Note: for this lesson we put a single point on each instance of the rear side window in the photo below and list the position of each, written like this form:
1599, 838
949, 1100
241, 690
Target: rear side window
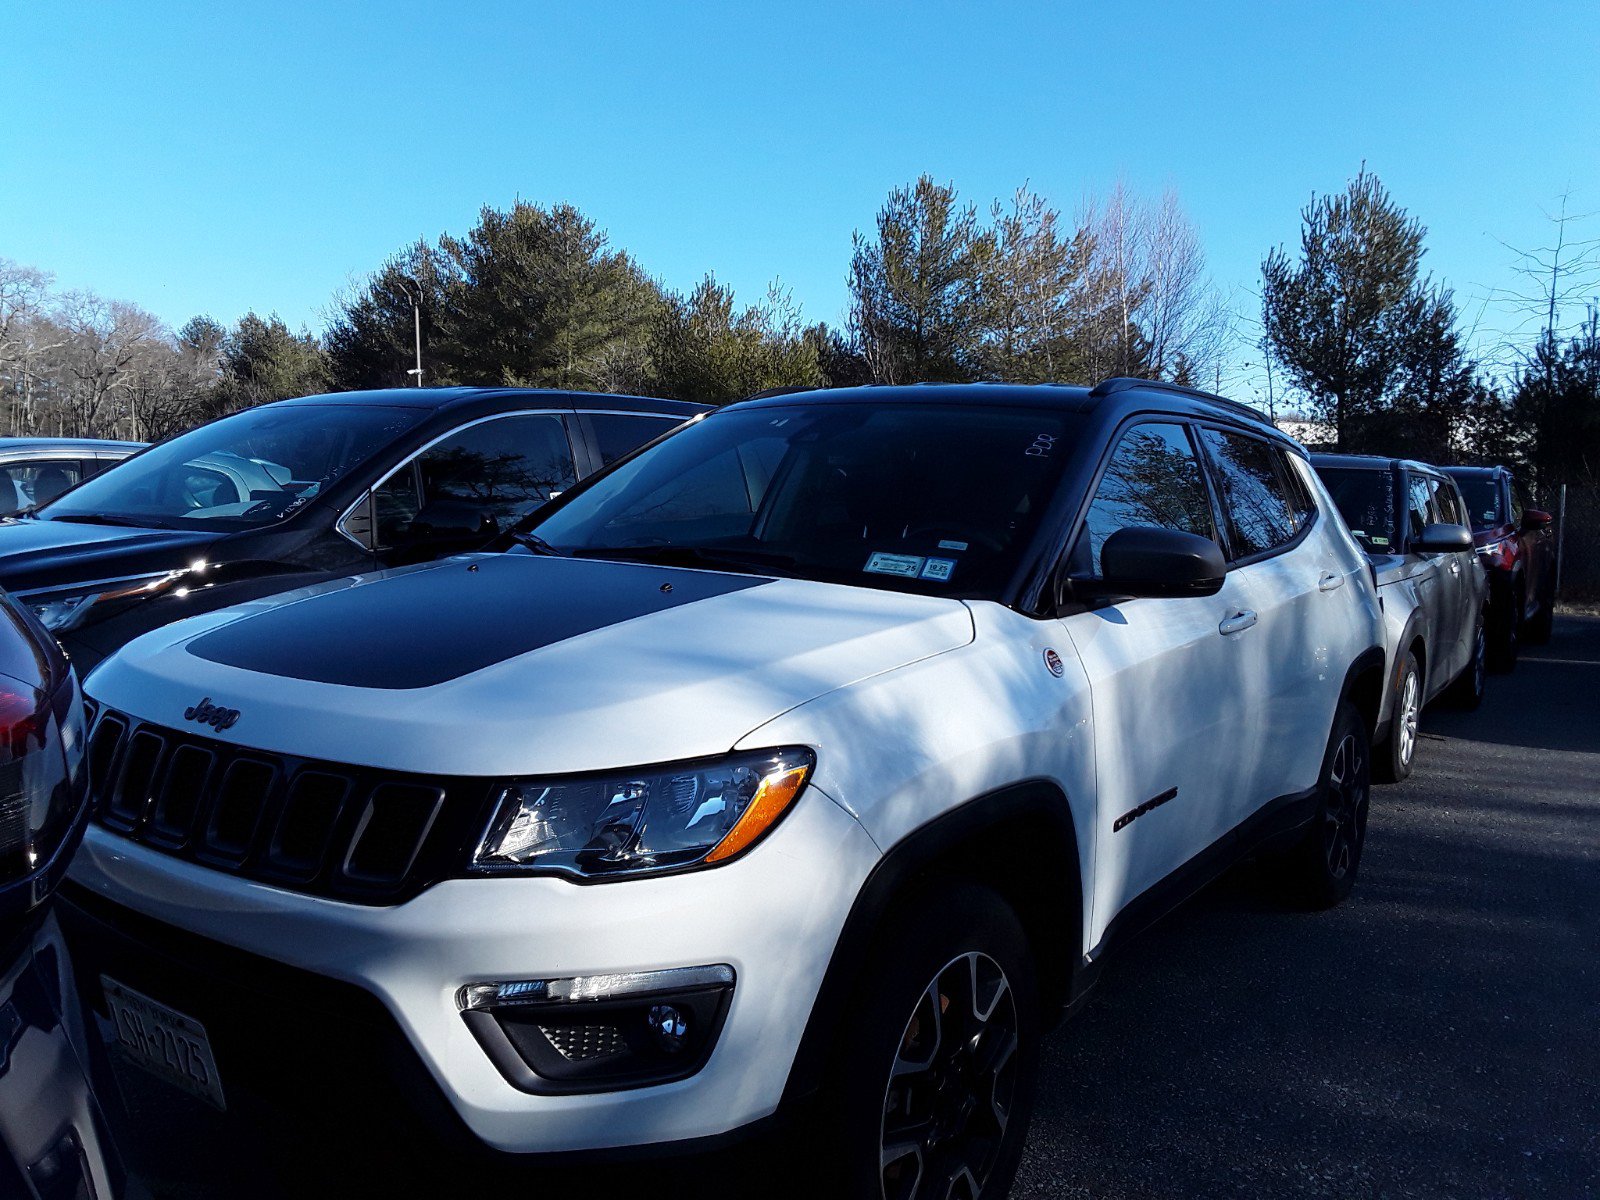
1254, 493
616, 434
1449, 504
1301, 502
1154, 478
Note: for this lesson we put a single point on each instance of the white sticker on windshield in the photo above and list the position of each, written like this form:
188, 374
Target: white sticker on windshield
907, 566
938, 568
952, 545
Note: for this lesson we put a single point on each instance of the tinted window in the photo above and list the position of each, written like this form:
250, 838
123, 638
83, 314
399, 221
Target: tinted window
1153, 478
1259, 514
925, 497
616, 435
1519, 501
1419, 506
508, 466
1483, 502
1301, 502
1365, 499
244, 471
26, 484
1449, 504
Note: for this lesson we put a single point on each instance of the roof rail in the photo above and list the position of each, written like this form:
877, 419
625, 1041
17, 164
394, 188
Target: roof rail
787, 390
1125, 383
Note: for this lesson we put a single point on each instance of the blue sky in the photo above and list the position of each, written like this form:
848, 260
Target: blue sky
222, 157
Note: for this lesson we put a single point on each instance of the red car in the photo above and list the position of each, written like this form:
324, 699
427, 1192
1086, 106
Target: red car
1518, 546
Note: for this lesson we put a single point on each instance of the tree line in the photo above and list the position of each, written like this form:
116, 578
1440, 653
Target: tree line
1354, 335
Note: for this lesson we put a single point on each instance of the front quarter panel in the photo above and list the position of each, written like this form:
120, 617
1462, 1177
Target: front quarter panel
903, 748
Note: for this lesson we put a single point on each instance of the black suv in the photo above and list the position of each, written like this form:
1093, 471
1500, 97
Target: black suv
304, 490
1517, 544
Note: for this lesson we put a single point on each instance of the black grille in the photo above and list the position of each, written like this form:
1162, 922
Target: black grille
329, 829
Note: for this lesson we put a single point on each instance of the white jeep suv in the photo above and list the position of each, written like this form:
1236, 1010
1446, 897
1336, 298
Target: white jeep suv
822, 749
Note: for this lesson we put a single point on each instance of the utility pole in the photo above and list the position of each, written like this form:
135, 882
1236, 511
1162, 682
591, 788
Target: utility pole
416, 323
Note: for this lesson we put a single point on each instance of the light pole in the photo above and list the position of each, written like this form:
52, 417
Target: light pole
416, 320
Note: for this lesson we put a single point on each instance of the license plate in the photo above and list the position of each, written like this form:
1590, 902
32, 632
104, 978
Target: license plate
164, 1042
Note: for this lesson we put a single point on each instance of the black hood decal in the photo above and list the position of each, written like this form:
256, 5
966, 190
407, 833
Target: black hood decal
424, 627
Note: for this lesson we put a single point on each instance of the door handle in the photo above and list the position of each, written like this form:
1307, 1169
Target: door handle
1455, 567
1238, 623
1330, 581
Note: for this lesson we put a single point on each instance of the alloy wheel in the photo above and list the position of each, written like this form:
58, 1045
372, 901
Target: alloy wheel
1410, 717
1345, 815
952, 1085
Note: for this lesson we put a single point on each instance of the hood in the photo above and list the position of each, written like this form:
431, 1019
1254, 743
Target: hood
38, 552
519, 664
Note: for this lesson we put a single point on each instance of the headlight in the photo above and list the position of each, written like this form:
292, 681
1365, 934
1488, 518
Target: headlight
618, 823
61, 610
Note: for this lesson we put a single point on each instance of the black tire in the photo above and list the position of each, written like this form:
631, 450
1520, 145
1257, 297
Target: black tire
1536, 632
1319, 870
1505, 635
1393, 761
959, 947
1466, 692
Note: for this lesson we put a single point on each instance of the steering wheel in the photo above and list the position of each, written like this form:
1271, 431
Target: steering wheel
973, 535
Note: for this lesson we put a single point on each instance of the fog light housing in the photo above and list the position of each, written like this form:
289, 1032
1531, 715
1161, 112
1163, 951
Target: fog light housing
600, 1032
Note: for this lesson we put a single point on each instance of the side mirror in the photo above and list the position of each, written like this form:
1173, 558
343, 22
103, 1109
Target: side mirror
1442, 538
1534, 519
451, 521
1143, 560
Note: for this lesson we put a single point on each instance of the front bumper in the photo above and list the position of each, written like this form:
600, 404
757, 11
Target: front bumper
373, 992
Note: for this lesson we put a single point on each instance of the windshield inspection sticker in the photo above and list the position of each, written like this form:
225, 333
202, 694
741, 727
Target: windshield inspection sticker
952, 545
907, 566
938, 568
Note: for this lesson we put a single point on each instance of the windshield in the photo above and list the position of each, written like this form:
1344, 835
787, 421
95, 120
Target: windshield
1483, 501
1366, 501
241, 472
919, 497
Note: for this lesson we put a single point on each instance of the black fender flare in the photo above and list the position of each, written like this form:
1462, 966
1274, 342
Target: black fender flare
979, 841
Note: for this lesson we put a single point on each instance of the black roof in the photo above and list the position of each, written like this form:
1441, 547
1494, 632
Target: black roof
441, 399
1373, 462
1061, 397
1477, 472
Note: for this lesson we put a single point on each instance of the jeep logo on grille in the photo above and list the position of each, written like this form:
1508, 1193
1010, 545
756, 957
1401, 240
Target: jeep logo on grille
210, 714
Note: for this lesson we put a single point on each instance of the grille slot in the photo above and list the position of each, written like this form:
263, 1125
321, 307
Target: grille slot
103, 747
188, 770
135, 790
391, 832
236, 813
327, 829
305, 828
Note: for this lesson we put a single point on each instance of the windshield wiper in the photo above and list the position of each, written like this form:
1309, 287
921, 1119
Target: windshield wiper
536, 543
756, 561
103, 519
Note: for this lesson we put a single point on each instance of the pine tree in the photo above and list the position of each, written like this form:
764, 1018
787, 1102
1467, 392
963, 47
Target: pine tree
916, 307
1350, 315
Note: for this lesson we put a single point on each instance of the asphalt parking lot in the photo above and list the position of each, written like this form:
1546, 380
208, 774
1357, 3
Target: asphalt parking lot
1438, 1036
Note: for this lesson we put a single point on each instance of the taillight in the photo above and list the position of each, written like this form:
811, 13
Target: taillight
37, 804
1497, 555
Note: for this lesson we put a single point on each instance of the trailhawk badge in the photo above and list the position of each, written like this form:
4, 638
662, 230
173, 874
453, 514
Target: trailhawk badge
210, 714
